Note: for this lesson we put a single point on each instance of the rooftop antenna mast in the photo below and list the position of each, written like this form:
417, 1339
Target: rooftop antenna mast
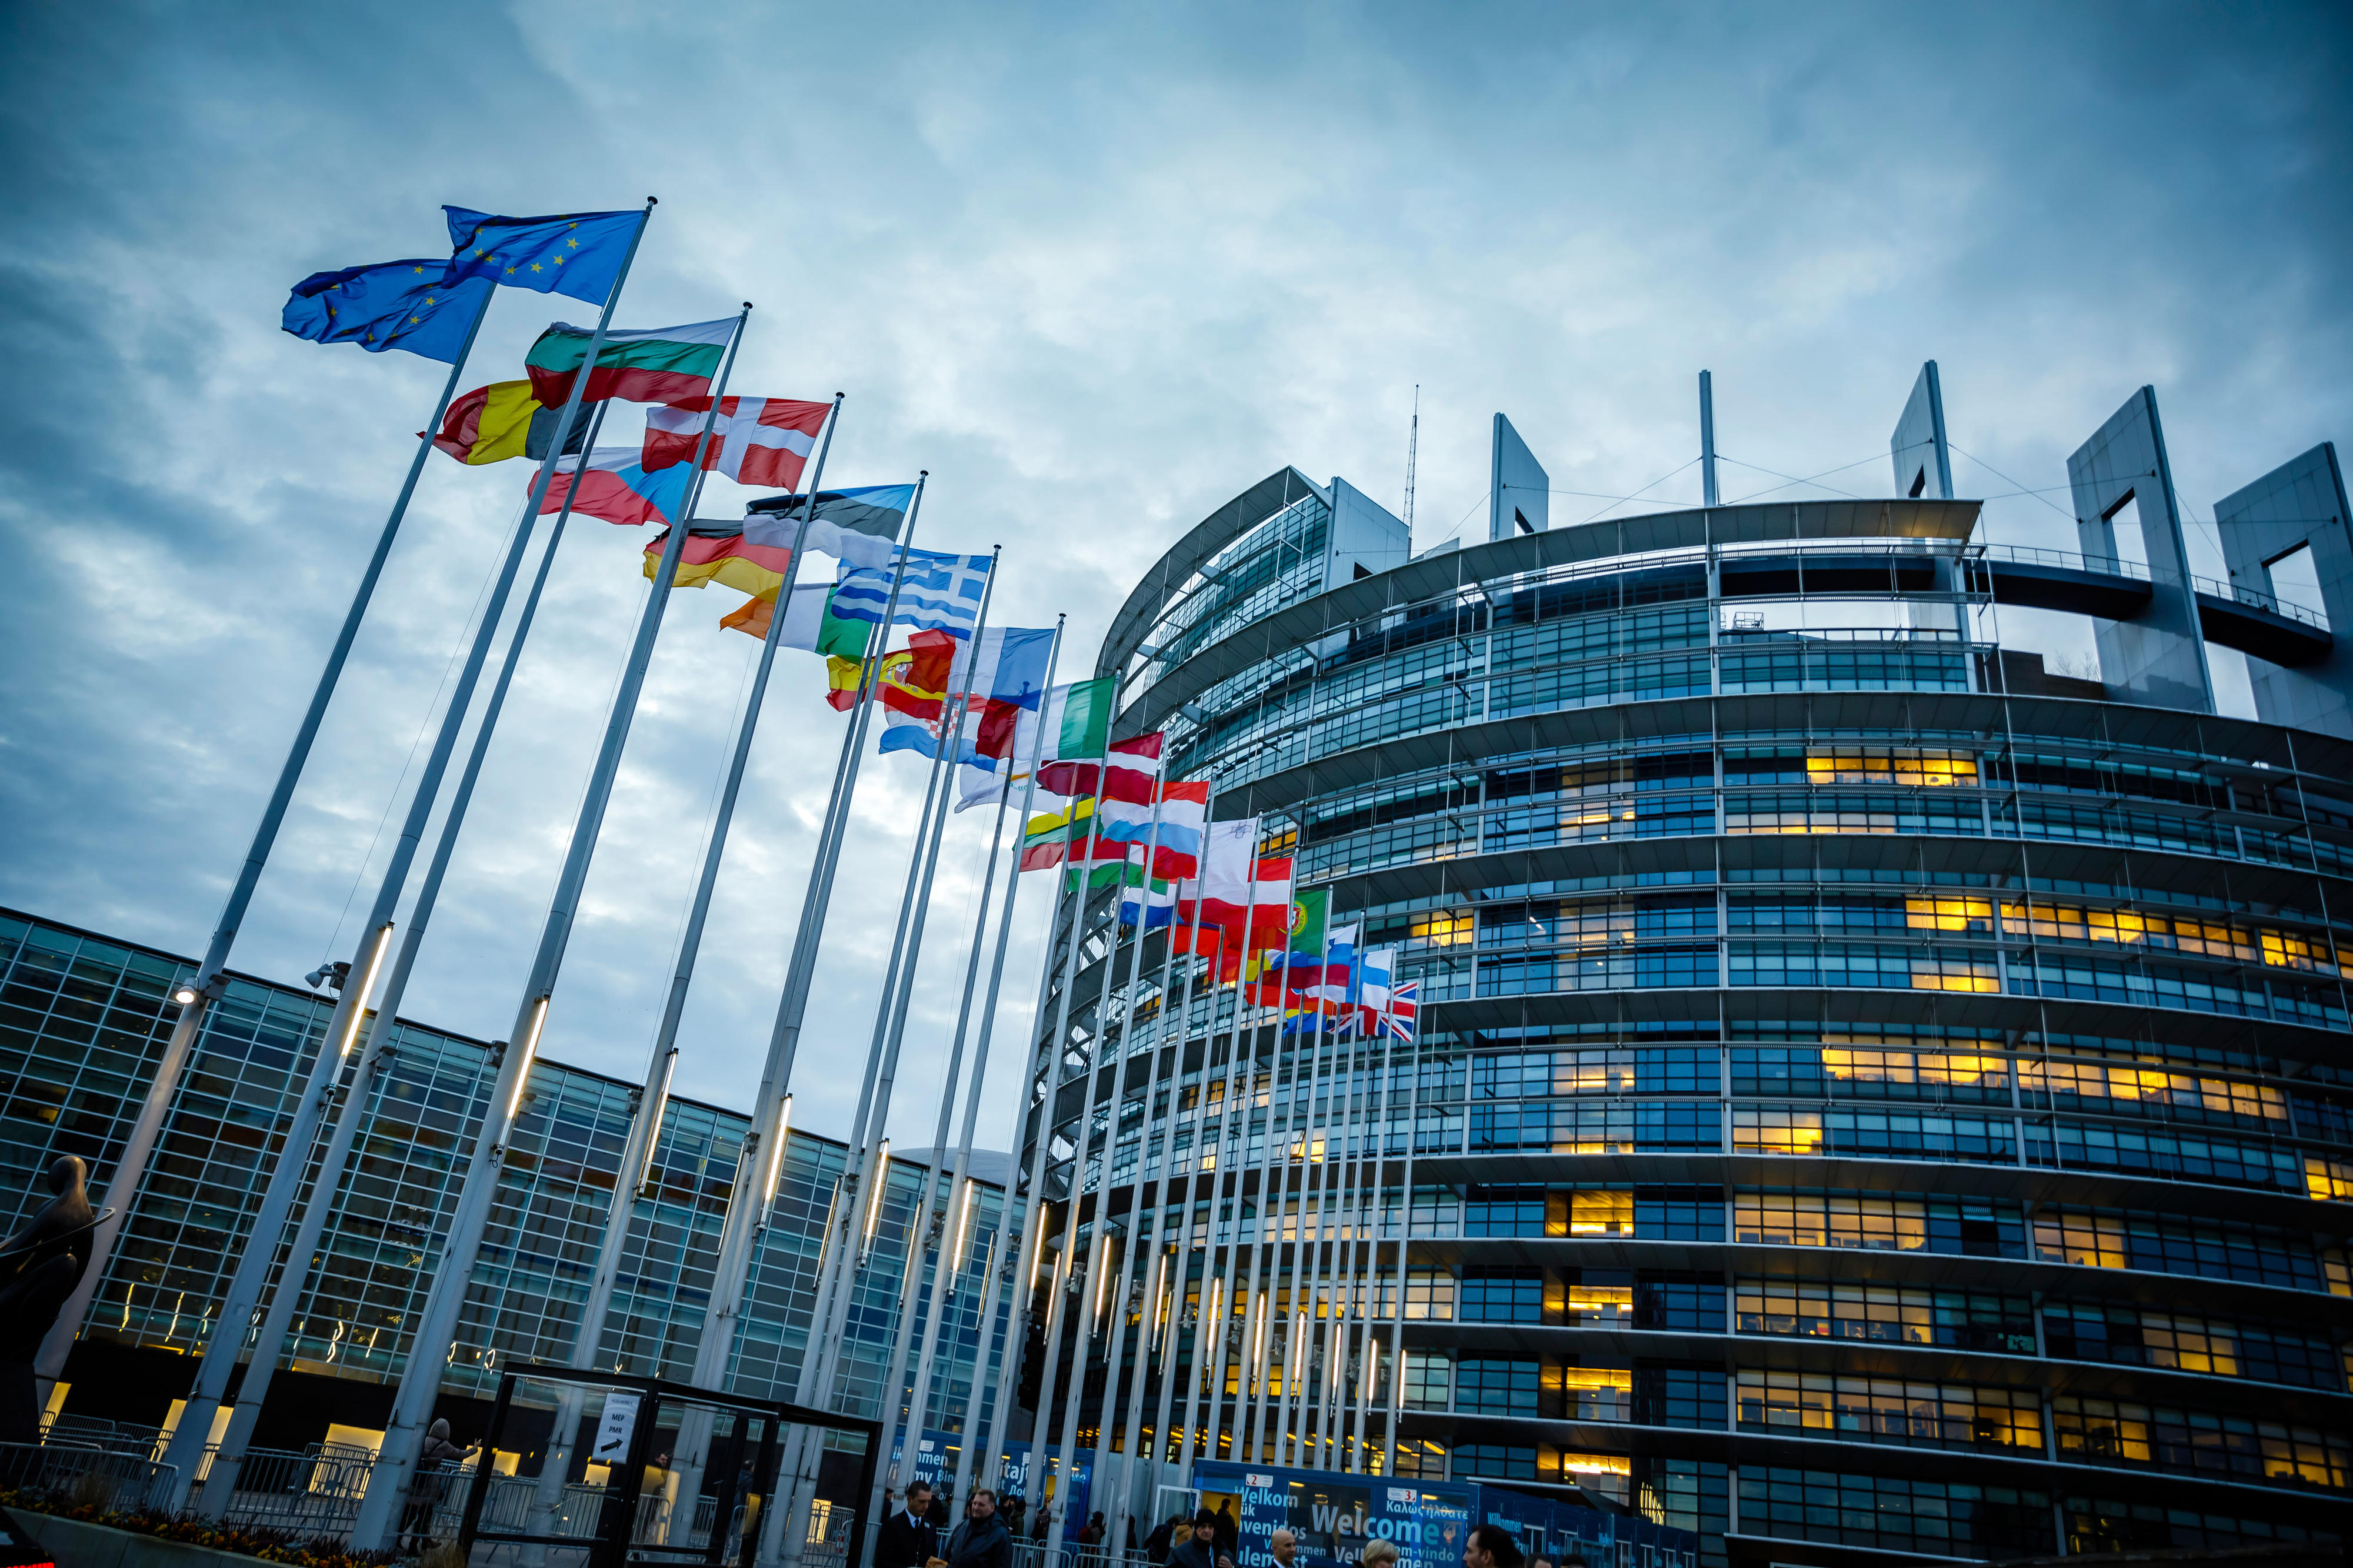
1412, 447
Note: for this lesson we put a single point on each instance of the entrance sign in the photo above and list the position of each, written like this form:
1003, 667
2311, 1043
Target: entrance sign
612, 1429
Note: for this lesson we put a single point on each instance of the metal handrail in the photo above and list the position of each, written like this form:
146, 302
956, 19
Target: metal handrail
2034, 556
2260, 601
114, 1479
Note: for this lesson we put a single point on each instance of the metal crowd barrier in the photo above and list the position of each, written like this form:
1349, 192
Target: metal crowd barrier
110, 1478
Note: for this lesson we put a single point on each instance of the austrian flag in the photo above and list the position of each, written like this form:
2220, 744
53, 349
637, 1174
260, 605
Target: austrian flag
756, 441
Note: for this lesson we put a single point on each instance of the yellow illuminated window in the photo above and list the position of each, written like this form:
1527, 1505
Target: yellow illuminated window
2329, 1179
1776, 1131
1601, 1214
1591, 1305
1445, 928
1872, 764
2094, 1241
2189, 1344
1812, 1219
1949, 914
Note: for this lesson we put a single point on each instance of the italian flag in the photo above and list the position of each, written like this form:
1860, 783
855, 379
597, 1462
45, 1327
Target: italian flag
1076, 719
667, 365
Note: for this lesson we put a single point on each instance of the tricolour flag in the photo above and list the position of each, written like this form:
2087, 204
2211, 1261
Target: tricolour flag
1322, 986
413, 305
579, 254
859, 526
1183, 815
1066, 838
715, 553
935, 592
809, 622
502, 420
612, 486
1129, 770
663, 365
759, 441
1076, 722
1147, 901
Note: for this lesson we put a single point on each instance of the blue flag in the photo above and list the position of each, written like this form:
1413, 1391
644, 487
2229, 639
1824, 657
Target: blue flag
578, 254
408, 305
937, 591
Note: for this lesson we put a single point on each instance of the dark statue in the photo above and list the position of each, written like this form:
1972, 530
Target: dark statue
39, 1267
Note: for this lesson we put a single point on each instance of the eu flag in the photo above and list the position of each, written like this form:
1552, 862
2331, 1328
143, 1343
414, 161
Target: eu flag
414, 305
577, 254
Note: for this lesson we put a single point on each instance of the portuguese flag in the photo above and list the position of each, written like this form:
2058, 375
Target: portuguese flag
667, 365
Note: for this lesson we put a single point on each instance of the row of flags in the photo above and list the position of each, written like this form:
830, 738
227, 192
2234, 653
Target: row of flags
1120, 823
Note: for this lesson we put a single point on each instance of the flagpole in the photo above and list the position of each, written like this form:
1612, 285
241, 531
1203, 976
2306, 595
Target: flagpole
1306, 1256
919, 1398
844, 1261
1261, 1358
645, 1125
349, 1025
1099, 1245
219, 1356
763, 1146
376, 1056
1405, 1229
1033, 1228
1213, 1296
1140, 1380
1346, 1277
1185, 1225
1022, 1290
420, 1379
195, 996
1133, 1256
1227, 1350
1202, 1305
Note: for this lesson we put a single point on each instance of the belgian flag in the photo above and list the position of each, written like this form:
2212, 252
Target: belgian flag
502, 420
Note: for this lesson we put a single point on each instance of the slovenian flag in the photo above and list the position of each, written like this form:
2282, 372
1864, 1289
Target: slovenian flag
612, 486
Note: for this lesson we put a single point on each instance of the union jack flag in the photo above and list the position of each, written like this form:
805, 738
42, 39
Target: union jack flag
1399, 1019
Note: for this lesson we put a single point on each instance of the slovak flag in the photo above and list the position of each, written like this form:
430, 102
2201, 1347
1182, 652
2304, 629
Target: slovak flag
756, 441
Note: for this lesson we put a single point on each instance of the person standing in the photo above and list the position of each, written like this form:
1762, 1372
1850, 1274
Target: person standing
981, 1540
1378, 1554
1285, 1546
1203, 1549
1490, 1546
908, 1538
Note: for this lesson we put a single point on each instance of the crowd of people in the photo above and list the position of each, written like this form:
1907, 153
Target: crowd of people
910, 1537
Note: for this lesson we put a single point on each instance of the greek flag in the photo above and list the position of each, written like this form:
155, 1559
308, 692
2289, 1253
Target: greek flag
936, 593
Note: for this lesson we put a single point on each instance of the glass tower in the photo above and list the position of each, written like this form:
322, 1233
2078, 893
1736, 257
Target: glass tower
1868, 1090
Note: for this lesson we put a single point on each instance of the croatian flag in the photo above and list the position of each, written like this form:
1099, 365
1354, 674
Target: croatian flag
756, 441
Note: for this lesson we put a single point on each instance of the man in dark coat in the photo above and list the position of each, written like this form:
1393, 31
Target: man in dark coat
981, 1540
1205, 1550
908, 1539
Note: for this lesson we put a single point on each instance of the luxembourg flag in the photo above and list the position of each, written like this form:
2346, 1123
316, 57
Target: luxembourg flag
615, 486
756, 441
1184, 816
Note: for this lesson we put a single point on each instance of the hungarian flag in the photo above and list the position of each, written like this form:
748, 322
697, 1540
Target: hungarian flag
717, 553
612, 486
666, 364
502, 420
760, 441
1129, 770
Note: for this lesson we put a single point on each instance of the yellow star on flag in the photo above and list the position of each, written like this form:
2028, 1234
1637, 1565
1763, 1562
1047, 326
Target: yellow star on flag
534, 267
420, 270
559, 261
574, 243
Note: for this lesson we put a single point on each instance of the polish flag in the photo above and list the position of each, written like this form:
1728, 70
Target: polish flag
756, 441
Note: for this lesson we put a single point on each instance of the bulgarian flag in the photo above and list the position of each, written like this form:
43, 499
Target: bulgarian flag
1065, 837
667, 365
612, 486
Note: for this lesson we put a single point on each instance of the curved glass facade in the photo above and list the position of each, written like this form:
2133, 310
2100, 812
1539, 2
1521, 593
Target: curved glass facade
1867, 1092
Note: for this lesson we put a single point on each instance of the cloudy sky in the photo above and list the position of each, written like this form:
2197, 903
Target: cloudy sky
1097, 268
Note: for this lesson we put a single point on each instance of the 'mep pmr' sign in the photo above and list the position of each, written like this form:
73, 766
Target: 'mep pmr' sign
1334, 1516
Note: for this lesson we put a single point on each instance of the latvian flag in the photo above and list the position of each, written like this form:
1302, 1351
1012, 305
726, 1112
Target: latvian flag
757, 441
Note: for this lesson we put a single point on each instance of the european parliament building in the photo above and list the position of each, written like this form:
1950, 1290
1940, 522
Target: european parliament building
1873, 1095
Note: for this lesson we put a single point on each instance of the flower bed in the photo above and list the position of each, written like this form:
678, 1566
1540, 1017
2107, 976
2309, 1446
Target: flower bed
268, 1545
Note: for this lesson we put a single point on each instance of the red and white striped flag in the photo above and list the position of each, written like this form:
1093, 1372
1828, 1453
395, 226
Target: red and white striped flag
757, 441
